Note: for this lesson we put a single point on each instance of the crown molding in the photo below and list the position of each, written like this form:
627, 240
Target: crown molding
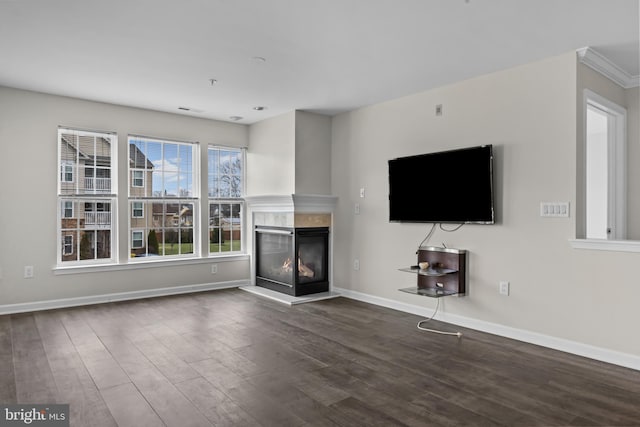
604, 66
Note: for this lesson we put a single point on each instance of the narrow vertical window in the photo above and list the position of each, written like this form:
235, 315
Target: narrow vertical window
225, 190
67, 245
137, 209
66, 172
86, 196
67, 209
137, 178
137, 239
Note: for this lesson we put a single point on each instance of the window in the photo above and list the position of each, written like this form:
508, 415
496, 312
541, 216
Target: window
163, 176
66, 172
67, 248
85, 225
67, 209
164, 206
137, 239
137, 210
605, 168
225, 188
137, 178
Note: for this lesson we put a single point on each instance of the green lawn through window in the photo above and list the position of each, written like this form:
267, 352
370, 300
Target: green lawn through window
176, 248
224, 247
187, 248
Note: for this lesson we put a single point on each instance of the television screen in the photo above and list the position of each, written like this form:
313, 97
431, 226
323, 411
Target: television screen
453, 186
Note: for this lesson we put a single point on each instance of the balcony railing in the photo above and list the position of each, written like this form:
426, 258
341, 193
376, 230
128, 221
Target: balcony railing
98, 185
97, 218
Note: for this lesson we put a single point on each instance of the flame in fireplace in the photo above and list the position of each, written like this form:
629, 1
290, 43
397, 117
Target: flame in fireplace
303, 269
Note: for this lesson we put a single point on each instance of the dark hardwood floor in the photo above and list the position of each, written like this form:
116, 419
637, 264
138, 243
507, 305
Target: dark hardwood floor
232, 358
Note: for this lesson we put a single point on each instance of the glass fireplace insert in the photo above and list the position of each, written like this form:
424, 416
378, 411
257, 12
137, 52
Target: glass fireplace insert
294, 261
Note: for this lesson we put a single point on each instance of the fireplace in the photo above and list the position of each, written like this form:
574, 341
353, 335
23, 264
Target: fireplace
294, 261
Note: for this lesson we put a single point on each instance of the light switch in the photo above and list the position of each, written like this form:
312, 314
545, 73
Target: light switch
554, 209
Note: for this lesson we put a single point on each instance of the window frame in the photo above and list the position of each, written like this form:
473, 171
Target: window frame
134, 179
63, 172
81, 237
134, 209
133, 239
226, 200
65, 245
148, 198
78, 196
65, 209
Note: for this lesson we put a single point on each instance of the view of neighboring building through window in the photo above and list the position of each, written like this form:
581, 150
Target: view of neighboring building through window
225, 188
163, 197
85, 196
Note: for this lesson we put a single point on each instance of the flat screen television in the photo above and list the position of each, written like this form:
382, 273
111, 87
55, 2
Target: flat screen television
454, 186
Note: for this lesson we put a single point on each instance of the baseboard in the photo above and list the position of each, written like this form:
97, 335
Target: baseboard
573, 347
120, 296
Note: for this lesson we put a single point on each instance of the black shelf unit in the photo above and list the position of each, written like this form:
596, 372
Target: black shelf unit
446, 274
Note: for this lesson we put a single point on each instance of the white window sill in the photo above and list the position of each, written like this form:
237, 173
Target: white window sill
606, 245
99, 268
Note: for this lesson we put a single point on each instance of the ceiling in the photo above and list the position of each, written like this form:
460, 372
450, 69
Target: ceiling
325, 56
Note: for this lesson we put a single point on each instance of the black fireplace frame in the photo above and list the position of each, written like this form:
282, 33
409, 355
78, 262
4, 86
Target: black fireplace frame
296, 288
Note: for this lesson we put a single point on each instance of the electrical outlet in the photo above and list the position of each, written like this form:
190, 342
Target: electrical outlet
356, 264
214, 268
504, 288
362, 192
28, 271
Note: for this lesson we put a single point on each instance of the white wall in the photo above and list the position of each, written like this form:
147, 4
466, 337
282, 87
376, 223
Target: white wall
290, 153
633, 160
28, 149
271, 156
313, 153
529, 114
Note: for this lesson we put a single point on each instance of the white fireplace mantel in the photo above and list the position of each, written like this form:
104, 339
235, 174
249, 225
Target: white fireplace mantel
292, 210
296, 203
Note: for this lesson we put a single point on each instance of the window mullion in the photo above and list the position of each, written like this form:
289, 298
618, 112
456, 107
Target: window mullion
76, 167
